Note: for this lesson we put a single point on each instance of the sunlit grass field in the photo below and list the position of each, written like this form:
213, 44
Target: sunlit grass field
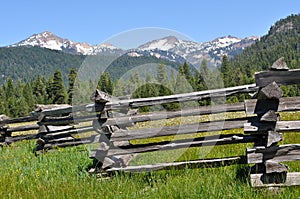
63, 173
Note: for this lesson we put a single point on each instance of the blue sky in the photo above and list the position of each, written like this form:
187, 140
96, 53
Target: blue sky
95, 21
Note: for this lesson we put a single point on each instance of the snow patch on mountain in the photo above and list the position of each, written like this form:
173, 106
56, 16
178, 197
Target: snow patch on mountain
166, 44
51, 41
170, 48
195, 52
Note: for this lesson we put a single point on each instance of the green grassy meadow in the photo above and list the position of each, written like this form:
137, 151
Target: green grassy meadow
63, 173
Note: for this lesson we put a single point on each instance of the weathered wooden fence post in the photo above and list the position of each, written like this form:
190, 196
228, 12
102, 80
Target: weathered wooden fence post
3, 130
267, 170
44, 129
103, 161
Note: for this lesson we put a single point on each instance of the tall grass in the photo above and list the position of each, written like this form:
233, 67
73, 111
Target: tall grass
63, 173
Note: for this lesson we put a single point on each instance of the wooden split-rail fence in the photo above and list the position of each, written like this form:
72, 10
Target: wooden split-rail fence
106, 122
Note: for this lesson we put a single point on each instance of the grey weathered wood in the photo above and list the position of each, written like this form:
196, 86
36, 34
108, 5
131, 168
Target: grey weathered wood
207, 141
178, 130
122, 160
76, 142
101, 154
42, 107
64, 133
68, 120
273, 138
271, 91
201, 110
110, 129
4, 118
275, 167
66, 144
279, 65
55, 111
280, 77
269, 116
18, 138
264, 180
285, 104
100, 97
283, 153
281, 126
180, 165
134, 103
18, 120
23, 128
3, 131
53, 129
96, 107
62, 140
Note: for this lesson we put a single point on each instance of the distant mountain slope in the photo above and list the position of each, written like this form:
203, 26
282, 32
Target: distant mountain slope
194, 52
25, 63
282, 40
51, 41
191, 51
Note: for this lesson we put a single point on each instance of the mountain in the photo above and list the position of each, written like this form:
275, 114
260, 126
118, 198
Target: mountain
51, 41
169, 47
194, 52
26, 63
282, 40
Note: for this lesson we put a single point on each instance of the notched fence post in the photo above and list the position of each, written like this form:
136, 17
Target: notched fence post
267, 155
102, 159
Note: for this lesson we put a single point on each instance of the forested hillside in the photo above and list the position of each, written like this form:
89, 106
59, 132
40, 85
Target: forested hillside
26, 63
282, 40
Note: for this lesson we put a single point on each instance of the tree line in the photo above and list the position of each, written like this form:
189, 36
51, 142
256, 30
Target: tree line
18, 98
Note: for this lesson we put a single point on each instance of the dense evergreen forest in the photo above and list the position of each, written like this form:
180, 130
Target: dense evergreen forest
282, 40
18, 99
26, 63
23, 87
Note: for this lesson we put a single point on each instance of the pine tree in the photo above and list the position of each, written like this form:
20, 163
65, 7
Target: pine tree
27, 94
186, 71
203, 76
105, 83
71, 77
161, 76
39, 90
182, 85
58, 90
134, 82
10, 88
49, 91
226, 72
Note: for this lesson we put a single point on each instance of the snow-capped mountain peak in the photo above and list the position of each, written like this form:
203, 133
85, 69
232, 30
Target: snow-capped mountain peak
168, 47
45, 39
194, 52
51, 41
222, 42
165, 44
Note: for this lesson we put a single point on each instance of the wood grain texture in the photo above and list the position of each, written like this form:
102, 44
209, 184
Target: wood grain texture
179, 130
180, 165
178, 144
281, 126
280, 77
265, 180
283, 153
